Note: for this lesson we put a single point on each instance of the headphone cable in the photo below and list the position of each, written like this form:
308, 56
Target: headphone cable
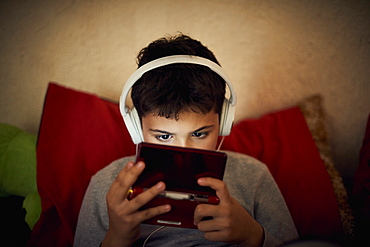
156, 230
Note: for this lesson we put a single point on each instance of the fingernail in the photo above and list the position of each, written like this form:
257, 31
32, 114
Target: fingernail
160, 185
167, 207
130, 164
140, 164
200, 180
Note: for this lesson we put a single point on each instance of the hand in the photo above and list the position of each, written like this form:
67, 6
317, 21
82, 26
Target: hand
124, 217
231, 222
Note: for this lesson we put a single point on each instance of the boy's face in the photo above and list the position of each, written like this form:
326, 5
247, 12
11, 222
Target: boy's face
193, 130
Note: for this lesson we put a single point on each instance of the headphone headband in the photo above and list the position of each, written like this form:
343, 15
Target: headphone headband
125, 110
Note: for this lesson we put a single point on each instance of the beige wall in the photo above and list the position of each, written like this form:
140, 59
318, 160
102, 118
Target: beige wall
276, 52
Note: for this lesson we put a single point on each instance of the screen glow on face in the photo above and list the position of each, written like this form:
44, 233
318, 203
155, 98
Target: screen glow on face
193, 130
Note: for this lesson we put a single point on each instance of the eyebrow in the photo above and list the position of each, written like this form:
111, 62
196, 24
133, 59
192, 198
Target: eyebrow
161, 131
168, 133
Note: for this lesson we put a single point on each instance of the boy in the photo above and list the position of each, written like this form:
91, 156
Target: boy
182, 105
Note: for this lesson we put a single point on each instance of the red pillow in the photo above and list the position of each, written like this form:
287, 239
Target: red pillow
81, 133
361, 186
284, 143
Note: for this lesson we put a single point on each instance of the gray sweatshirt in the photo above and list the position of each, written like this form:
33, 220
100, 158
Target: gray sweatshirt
248, 181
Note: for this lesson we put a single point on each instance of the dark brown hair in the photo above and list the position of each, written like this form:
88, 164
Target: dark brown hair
169, 90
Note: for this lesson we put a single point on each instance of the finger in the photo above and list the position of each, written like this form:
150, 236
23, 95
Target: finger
129, 177
204, 210
208, 225
129, 165
124, 180
218, 185
151, 212
146, 196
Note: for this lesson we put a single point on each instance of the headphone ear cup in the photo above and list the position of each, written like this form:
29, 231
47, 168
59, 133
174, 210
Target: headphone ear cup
133, 124
136, 120
227, 118
223, 116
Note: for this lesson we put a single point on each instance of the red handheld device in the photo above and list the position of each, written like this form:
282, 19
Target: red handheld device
179, 168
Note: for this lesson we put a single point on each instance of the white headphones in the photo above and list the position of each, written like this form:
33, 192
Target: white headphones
131, 117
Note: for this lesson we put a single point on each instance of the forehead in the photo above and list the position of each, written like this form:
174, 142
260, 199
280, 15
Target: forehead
186, 121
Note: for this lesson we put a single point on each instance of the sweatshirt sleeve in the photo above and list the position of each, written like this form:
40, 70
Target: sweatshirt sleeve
271, 211
269, 240
93, 221
90, 231
250, 182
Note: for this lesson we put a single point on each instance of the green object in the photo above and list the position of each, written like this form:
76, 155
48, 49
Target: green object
18, 169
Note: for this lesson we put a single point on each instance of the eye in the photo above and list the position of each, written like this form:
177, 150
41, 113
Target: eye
200, 135
163, 137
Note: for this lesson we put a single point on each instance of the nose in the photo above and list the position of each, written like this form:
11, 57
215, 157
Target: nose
184, 143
